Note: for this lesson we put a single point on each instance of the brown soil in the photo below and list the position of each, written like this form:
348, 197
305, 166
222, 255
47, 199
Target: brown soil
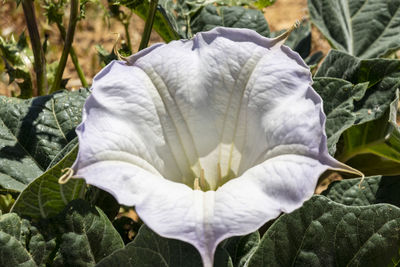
98, 29
284, 13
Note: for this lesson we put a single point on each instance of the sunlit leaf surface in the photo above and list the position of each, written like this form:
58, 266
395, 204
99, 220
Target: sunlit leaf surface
363, 28
364, 192
33, 132
325, 233
45, 197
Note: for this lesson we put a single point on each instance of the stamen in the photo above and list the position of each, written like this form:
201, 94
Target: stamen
196, 185
219, 173
68, 173
202, 179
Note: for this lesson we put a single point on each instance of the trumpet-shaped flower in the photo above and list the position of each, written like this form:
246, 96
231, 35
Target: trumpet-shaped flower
208, 138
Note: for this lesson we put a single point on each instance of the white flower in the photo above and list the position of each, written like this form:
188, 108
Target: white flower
208, 138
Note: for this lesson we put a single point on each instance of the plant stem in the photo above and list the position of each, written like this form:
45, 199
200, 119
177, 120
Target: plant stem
74, 58
73, 18
127, 36
38, 54
149, 24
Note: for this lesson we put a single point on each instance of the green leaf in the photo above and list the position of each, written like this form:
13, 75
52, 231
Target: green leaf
367, 191
313, 60
18, 60
104, 200
178, 14
141, 8
45, 197
6, 202
366, 29
16, 52
65, 151
383, 76
22, 78
51, 70
162, 25
105, 56
150, 249
325, 233
87, 236
186, 18
229, 16
79, 236
300, 39
374, 147
241, 248
21, 244
366, 119
33, 132
339, 97
54, 10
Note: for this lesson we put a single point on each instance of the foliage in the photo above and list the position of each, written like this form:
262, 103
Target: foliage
18, 60
366, 29
45, 197
354, 223
325, 233
81, 235
33, 132
361, 105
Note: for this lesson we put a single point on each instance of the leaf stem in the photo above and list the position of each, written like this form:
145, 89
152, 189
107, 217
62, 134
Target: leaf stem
127, 36
149, 24
38, 53
73, 18
74, 57
125, 20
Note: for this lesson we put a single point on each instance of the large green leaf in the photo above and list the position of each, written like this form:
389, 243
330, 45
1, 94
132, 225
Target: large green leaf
21, 244
325, 233
229, 16
374, 147
362, 110
241, 248
87, 236
182, 19
363, 28
383, 76
150, 249
339, 106
371, 190
187, 17
33, 132
45, 197
64, 152
79, 236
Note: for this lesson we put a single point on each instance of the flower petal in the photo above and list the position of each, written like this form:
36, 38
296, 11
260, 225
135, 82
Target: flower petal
228, 102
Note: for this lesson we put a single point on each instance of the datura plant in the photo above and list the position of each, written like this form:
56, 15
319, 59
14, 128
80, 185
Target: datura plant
208, 138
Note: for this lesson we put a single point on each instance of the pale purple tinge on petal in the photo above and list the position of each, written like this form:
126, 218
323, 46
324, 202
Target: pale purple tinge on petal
227, 106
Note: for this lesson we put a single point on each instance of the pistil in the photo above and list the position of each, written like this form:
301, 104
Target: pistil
200, 183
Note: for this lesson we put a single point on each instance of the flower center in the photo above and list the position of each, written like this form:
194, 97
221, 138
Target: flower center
200, 183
